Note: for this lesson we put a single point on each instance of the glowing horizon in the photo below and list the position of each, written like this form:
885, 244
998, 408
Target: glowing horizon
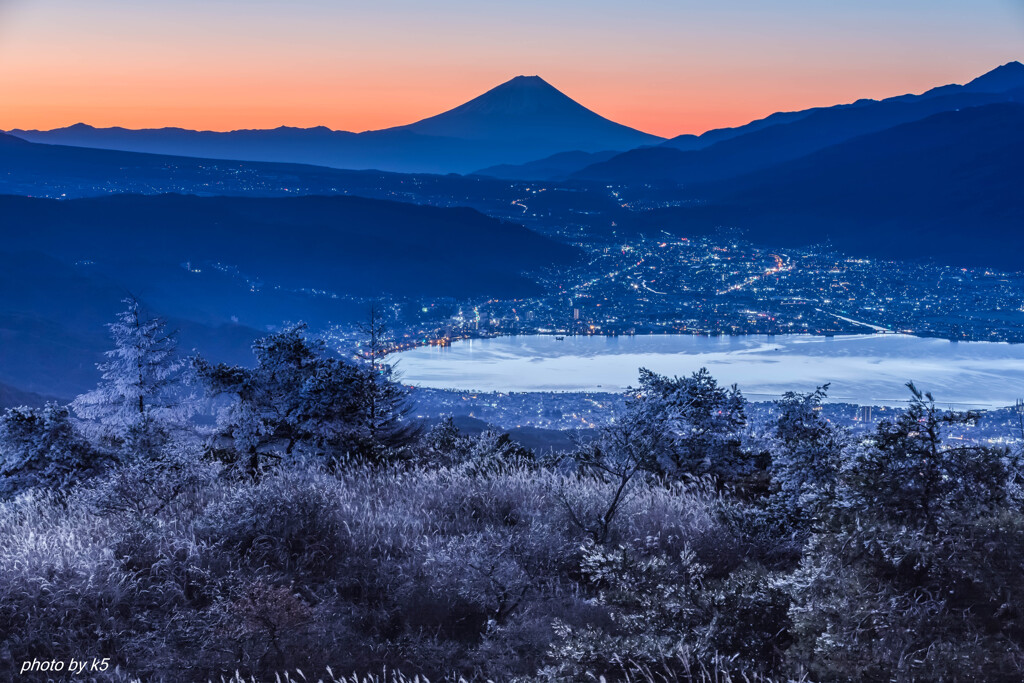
667, 68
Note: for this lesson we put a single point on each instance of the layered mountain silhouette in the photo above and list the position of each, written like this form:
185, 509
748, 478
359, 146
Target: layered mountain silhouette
36, 169
527, 129
523, 119
343, 245
729, 153
969, 122
554, 167
947, 187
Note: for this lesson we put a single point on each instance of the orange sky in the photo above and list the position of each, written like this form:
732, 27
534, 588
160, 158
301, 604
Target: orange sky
667, 67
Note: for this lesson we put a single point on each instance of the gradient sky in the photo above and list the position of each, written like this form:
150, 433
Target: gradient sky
665, 66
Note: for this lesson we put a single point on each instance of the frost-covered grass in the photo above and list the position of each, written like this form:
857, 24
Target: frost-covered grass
189, 574
703, 676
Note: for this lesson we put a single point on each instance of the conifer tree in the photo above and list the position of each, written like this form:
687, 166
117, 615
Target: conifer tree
139, 399
806, 459
385, 402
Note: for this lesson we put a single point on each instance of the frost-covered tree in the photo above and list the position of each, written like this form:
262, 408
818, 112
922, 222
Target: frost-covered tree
487, 453
40, 447
299, 400
912, 473
374, 332
916, 575
385, 402
807, 455
140, 398
623, 453
269, 414
707, 422
384, 409
445, 441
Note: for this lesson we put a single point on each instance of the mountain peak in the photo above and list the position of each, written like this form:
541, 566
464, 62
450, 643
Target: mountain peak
529, 109
1000, 79
522, 95
526, 81
1010, 67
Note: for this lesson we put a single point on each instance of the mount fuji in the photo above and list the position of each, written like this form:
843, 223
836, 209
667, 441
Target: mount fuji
520, 120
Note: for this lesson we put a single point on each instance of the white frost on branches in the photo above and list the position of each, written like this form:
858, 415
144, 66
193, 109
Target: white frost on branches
140, 396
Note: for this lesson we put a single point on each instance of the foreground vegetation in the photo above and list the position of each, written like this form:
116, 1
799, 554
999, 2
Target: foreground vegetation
312, 525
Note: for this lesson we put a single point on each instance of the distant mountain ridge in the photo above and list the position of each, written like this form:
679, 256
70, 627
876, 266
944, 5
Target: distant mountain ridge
38, 169
554, 167
1003, 78
522, 119
947, 187
787, 136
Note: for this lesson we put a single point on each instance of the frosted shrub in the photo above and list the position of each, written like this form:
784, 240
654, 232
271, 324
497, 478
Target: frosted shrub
299, 400
41, 447
706, 423
290, 522
916, 574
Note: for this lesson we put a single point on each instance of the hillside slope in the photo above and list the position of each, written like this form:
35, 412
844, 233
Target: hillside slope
947, 187
345, 245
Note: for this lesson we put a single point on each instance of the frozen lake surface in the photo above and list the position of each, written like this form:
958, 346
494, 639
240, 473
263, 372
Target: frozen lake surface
864, 369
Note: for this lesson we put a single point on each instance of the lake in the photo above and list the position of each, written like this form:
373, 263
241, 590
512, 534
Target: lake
869, 369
